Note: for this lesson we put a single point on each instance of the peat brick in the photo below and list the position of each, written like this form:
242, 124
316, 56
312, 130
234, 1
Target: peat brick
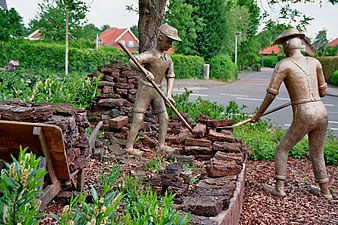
118, 122
220, 168
227, 147
204, 205
195, 150
203, 142
216, 136
237, 157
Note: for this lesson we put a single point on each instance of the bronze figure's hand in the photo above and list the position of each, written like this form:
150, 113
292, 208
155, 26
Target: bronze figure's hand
254, 118
149, 75
171, 99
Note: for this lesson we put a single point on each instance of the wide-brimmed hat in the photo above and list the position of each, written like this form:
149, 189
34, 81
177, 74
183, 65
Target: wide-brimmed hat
170, 32
287, 34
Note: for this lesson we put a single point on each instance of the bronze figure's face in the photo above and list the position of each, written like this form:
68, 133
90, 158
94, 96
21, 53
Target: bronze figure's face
165, 43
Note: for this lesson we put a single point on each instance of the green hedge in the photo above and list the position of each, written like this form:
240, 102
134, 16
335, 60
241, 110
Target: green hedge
270, 61
188, 66
330, 64
334, 78
51, 56
222, 68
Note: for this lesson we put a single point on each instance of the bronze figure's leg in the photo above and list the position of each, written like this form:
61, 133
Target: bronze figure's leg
290, 139
137, 120
316, 142
160, 110
143, 98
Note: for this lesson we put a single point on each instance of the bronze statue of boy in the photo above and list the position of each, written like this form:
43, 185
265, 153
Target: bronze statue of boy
158, 64
305, 83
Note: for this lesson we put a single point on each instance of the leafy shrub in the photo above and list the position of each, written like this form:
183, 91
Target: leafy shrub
222, 68
198, 107
329, 64
334, 78
331, 150
149, 210
48, 87
19, 185
188, 66
51, 56
270, 61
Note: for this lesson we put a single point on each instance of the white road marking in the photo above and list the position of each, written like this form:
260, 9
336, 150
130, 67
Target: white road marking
286, 99
251, 99
329, 105
333, 128
200, 95
287, 125
234, 95
333, 122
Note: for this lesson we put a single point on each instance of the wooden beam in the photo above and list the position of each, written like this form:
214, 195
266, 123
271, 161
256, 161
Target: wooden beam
37, 131
49, 193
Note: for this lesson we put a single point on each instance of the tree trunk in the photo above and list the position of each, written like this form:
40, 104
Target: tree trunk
150, 19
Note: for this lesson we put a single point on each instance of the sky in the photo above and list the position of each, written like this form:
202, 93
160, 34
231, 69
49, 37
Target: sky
114, 13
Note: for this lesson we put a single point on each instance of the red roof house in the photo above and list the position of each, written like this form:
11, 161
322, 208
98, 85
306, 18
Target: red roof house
36, 35
112, 36
274, 49
333, 43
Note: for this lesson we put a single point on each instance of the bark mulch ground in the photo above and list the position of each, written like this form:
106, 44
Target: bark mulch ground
298, 207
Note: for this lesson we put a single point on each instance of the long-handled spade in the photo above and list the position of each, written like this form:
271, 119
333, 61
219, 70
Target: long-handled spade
219, 129
167, 101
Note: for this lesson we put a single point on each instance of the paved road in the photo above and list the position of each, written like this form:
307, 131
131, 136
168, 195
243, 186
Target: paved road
249, 90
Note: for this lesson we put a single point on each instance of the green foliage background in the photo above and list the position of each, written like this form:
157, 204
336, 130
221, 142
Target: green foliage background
222, 68
188, 66
330, 64
51, 56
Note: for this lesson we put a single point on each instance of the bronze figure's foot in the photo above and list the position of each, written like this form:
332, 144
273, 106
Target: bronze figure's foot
316, 190
272, 190
166, 149
134, 152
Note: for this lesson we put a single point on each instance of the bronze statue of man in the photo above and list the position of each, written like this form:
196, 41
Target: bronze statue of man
305, 83
158, 64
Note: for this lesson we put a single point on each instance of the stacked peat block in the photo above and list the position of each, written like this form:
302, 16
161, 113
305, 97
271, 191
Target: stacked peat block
73, 123
118, 86
222, 156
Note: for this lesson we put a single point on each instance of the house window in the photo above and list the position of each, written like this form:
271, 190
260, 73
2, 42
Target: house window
123, 42
130, 44
303, 48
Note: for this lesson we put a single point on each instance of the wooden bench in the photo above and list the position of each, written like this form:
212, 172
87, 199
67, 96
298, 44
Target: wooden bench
45, 141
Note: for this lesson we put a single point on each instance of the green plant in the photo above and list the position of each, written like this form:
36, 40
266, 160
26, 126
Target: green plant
20, 186
222, 68
187, 66
149, 210
100, 210
331, 150
198, 107
155, 164
270, 61
334, 78
329, 64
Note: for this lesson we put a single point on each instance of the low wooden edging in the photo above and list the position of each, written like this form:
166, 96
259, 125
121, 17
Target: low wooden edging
232, 215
